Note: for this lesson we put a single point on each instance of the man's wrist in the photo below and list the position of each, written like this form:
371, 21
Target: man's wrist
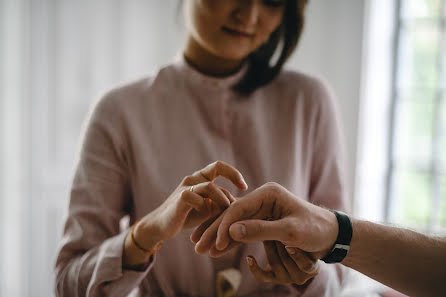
344, 236
332, 233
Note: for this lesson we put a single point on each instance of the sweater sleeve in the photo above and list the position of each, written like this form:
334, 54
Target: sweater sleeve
89, 262
327, 182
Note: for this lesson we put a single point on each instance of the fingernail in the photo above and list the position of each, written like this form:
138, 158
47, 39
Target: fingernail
240, 231
221, 246
250, 261
243, 183
290, 250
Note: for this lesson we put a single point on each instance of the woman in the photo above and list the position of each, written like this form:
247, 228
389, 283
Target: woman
220, 101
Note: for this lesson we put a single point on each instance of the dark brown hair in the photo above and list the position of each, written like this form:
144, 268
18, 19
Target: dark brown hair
260, 72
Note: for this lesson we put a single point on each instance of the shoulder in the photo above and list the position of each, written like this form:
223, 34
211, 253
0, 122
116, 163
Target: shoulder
304, 90
300, 83
134, 95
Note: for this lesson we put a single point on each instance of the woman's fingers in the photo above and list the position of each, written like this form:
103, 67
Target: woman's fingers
303, 260
228, 194
300, 270
265, 276
275, 262
281, 268
192, 199
220, 168
213, 192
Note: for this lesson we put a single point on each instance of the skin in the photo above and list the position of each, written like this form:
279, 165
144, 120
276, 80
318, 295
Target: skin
283, 268
222, 33
407, 261
185, 208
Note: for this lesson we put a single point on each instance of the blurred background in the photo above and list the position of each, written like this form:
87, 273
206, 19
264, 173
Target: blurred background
385, 60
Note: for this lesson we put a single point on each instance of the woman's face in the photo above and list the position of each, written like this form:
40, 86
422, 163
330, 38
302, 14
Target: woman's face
232, 29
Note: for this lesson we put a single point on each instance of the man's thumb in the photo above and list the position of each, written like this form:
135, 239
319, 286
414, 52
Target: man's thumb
255, 230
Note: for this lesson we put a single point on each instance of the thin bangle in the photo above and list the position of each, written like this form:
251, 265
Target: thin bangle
150, 252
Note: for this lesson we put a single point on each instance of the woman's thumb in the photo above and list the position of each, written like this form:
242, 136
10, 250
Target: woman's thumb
256, 230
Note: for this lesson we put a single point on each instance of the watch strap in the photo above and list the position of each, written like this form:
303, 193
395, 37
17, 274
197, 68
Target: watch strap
342, 244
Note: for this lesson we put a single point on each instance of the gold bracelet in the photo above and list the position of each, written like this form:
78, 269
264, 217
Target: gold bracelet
150, 252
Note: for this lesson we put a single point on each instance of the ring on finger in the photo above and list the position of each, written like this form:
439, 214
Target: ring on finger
191, 189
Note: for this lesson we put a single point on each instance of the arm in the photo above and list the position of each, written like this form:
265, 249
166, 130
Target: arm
90, 262
407, 261
95, 258
402, 259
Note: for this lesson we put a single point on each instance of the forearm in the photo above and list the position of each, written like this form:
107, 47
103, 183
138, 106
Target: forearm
407, 261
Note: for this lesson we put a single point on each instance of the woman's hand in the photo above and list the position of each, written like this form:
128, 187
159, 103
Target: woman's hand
269, 213
284, 268
194, 201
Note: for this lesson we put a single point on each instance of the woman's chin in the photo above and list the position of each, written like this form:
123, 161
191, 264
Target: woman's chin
233, 56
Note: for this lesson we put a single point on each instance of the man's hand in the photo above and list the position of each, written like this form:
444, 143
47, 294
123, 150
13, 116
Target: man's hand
269, 213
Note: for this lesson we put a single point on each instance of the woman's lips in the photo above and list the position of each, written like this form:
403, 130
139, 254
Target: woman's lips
237, 33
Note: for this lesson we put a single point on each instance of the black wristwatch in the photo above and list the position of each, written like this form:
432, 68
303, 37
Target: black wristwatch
342, 244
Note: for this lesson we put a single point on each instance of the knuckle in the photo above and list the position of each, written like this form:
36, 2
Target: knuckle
187, 180
209, 186
183, 195
270, 185
218, 164
273, 188
290, 233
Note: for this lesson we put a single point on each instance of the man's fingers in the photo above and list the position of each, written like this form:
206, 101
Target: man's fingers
259, 273
214, 253
257, 230
198, 232
220, 168
251, 206
303, 260
208, 237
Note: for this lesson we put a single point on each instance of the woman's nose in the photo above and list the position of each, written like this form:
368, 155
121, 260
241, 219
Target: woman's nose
248, 12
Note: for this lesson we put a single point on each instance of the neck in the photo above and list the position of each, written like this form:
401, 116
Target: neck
207, 63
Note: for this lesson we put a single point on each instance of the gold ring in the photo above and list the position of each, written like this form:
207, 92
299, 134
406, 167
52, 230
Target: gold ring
192, 188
